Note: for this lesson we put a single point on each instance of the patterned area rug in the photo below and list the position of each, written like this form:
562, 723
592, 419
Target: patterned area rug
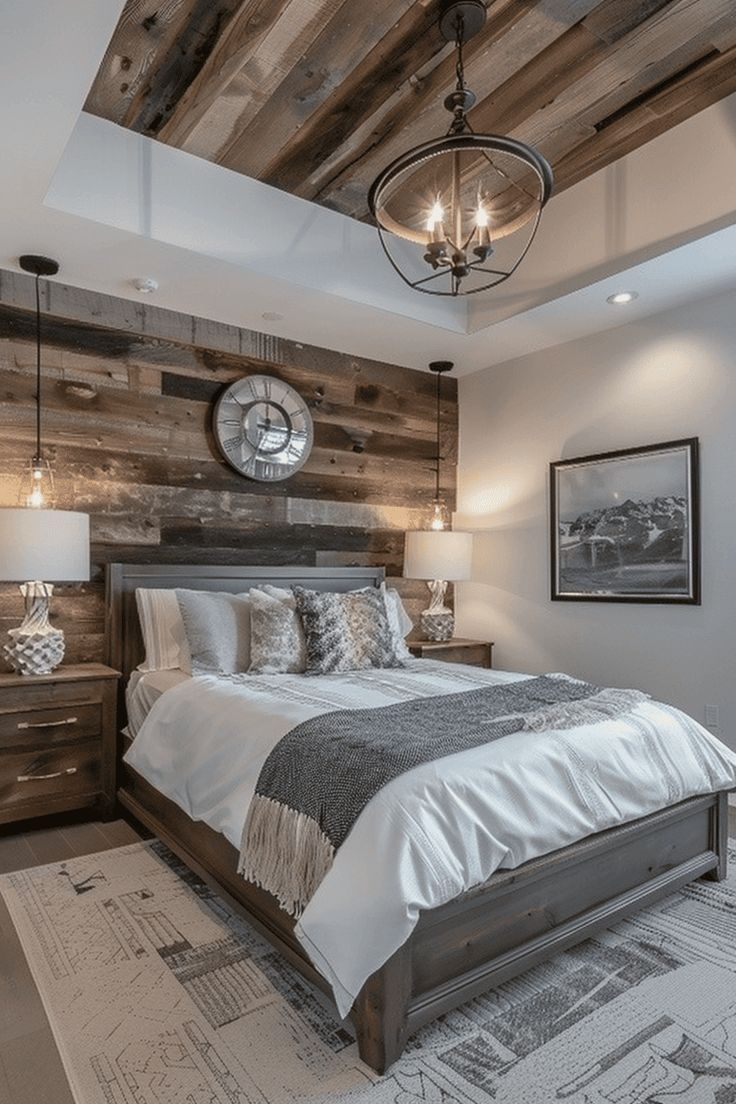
158, 994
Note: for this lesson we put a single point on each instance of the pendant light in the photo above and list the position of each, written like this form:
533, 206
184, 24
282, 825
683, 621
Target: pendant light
440, 517
37, 490
471, 203
437, 553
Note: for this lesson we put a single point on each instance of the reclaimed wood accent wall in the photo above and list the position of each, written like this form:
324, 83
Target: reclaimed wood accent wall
127, 396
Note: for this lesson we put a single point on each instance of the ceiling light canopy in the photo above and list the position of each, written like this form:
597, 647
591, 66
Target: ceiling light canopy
470, 202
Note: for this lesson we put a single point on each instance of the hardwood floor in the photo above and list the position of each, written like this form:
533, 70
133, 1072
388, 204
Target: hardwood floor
30, 1068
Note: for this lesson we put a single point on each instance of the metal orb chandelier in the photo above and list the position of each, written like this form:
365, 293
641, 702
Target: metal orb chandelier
472, 202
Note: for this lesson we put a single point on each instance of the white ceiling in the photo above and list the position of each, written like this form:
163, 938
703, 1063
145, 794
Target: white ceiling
111, 206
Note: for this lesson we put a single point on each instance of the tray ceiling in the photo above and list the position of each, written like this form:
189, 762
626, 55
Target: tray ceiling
316, 96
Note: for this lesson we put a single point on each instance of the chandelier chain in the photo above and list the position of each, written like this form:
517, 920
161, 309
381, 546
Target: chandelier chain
38, 369
459, 40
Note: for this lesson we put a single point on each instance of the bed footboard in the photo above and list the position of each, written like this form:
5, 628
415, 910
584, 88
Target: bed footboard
521, 917
486, 936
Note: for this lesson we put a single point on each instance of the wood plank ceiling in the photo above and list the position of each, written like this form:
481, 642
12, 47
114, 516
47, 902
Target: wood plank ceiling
316, 96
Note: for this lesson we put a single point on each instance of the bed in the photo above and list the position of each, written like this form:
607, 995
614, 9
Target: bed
480, 938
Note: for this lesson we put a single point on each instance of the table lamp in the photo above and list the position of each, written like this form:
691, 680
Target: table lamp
48, 545
438, 556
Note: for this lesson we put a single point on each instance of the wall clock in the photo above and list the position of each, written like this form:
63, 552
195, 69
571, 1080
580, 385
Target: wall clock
263, 428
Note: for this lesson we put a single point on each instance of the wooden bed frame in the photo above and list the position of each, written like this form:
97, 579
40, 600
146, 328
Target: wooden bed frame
477, 941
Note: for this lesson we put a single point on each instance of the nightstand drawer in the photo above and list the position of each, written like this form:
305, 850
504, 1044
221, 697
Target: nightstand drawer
475, 653
63, 772
58, 742
477, 656
43, 727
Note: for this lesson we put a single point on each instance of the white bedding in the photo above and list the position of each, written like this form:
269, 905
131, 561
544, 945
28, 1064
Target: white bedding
437, 830
143, 691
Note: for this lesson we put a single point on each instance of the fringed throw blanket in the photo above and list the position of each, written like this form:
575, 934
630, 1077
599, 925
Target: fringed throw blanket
322, 774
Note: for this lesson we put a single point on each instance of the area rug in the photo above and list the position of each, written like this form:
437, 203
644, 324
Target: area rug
158, 993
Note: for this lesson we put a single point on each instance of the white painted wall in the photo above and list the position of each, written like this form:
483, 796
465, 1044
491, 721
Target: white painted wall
668, 376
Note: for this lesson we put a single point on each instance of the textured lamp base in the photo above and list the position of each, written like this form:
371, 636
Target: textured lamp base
35, 648
34, 653
437, 626
437, 620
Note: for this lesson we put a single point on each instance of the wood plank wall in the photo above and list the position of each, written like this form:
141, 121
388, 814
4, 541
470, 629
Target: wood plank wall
128, 390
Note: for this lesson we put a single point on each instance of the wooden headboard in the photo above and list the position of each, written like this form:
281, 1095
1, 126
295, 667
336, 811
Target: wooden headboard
124, 643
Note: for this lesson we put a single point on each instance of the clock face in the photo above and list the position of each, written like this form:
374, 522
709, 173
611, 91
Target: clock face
264, 428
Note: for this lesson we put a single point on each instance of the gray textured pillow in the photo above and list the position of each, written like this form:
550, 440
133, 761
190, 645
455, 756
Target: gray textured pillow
346, 632
218, 630
276, 633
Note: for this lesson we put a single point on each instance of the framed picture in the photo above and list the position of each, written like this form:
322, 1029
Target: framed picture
625, 526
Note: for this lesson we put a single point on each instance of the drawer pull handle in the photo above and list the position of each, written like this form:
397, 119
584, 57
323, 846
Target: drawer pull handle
43, 777
47, 724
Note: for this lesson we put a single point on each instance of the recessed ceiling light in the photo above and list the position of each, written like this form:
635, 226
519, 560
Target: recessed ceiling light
145, 284
620, 297
272, 316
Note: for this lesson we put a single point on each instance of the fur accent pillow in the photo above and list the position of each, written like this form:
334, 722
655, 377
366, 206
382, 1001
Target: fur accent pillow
276, 635
346, 632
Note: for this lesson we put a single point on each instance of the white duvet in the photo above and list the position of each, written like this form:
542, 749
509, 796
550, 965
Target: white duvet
437, 830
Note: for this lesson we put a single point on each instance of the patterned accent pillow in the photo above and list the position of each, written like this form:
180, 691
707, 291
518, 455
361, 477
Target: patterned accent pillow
346, 632
276, 635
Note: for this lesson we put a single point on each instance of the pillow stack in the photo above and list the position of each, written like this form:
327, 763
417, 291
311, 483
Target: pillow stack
270, 630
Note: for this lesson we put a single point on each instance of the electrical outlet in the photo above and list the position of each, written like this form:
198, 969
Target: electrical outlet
712, 716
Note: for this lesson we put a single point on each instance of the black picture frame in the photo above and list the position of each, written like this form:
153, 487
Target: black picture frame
642, 549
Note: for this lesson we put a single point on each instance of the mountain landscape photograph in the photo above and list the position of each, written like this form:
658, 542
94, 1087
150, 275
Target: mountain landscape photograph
623, 525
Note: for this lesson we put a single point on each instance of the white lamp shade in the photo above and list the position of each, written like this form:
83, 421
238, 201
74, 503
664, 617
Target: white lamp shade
438, 554
49, 545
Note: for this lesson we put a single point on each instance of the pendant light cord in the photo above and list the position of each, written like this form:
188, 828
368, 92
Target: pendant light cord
437, 472
38, 368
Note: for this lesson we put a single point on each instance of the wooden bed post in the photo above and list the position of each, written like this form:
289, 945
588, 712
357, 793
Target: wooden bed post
380, 1012
719, 838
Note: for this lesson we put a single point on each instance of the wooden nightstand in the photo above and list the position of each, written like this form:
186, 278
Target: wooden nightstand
58, 741
477, 653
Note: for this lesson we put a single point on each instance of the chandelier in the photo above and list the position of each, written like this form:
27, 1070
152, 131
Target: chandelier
471, 202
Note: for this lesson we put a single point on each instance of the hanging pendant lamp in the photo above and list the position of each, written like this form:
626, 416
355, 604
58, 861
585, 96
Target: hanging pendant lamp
470, 203
37, 490
440, 517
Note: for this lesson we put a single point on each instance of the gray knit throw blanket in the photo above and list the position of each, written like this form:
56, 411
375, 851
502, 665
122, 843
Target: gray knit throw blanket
322, 774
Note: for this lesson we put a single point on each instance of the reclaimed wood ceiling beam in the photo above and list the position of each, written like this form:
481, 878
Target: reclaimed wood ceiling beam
246, 66
603, 81
513, 36
677, 100
155, 53
621, 85
327, 66
317, 96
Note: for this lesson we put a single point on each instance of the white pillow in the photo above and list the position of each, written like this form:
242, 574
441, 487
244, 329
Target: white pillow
163, 632
399, 621
277, 644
